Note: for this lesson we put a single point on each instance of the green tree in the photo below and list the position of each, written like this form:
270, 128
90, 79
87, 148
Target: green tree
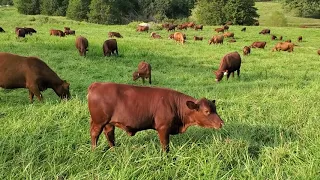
209, 12
99, 11
304, 8
78, 9
28, 6
240, 12
54, 7
6, 2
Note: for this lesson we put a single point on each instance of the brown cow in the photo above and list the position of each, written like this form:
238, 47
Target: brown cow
244, 29
280, 38
82, 45
155, 35
130, 108
198, 27
229, 63
31, 73
273, 37
165, 25
171, 36
70, 32
196, 38
258, 44
114, 34
256, 23
246, 50
300, 39
29, 31
265, 31
21, 33
66, 29
182, 26
289, 40
219, 30
55, 32
109, 47
143, 28
179, 37
190, 24
1, 29
232, 40
283, 46
225, 27
172, 27
218, 39
228, 34
144, 71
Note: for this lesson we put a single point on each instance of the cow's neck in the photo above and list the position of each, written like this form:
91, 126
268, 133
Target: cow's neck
184, 113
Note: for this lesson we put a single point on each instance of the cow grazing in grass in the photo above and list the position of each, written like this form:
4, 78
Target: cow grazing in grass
258, 44
179, 37
300, 39
155, 35
144, 71
196, 38
55, 32
198, 27
244, 29
229, 63
219, 30
31, 73
21, 33
142, 29
82, 45
228, 34
114, 34
273, 37
246, 50
172, 27
280, 38
218, 39
136, 108
283, 46
109, 47
265, 31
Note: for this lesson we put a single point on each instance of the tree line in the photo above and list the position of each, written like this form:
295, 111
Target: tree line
209, 12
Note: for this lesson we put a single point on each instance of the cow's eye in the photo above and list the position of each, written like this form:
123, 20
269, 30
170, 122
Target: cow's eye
206, 112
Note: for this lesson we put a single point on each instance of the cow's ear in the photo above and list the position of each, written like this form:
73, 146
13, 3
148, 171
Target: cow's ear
192, 105
214, 101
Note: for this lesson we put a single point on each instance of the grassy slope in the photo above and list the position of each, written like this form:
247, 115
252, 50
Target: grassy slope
265, 10
271, 113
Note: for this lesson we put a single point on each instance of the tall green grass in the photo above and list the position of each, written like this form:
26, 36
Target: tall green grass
271, 112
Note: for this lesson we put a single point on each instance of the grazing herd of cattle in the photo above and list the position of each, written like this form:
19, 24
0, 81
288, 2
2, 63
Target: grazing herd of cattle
131, 108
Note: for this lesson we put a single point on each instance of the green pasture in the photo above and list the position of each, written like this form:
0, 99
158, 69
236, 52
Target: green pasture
271, 112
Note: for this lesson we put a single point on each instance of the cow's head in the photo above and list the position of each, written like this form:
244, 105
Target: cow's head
219, 75
135, 75
62, 90
204, 113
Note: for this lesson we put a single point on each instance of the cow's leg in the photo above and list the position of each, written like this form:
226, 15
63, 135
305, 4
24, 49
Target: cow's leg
31, 95
117, 52
95, 131
233, 74
238, 72
150, 79
35, 90
164, 139
109, 133
228, 75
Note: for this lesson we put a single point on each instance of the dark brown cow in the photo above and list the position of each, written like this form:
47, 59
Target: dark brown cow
228, 34
155, 35
109, 47
244, 29
256, 23
1, 29
70, 32
196, 38
143, 28
198, 27
219, 30
82, 45
55, 32
31, 73
172, 27
283, 46
179, 37
300, 39
280, 38
289, 40
21, 33
225, 27
66, 29
29, 31
218, 39
229, 63
130, 108
144, 71
265, 31
273, 37
246, 50
114, 34
258, 44
190, 24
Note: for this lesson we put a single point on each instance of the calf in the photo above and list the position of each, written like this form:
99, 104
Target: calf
273, 37
228, 34
144, 71
82, 45
172, 27
1, 29
21, 33
198, 27
218, 39
182, 26
300, 39
244, 29
55, 32
246, 50
165, 25
196, 38
130, 108
219, 30
31, 73
179, 37
70, 32
265, 31
155, 35
109, 47
143, 28
190, 24
29, 31
229, 63
283, 46
114, 34
225, 27
259, 44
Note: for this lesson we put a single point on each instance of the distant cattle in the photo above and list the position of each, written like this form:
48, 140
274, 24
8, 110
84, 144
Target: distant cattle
219, 30
144, 71
109, 47
225, 27
165, 25
190, 24
280, 38
143, 28
289, 40
1, 29
136, 108
182, 26
218, 39
82, 45
26, 30
198, 27
300, 39
55, 32
273, 37
283, 46
31, 73
172, 27
232, 40
171, 36
67, 28
179, 37
21, 33
246, 50
244, 29
259, 44
196, 38
229, 63
256, 23
265, 31
70, 32
114, 34
155, 35
228, 34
